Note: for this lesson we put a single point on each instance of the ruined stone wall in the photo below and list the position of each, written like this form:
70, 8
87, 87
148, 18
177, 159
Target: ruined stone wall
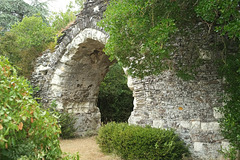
71, 76
190, 107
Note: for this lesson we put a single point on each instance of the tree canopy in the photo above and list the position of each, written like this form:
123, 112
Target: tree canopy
13, 11
140, 30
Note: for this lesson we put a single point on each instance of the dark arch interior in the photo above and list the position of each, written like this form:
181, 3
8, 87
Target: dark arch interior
115, 99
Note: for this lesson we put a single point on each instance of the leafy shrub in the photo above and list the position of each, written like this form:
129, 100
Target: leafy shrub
60, 20
25, 41
115, 99
135, 142
25, 128
66, 121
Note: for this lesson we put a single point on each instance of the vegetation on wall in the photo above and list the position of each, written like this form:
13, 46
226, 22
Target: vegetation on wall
115, 99
224, 18
134, 142
140, 32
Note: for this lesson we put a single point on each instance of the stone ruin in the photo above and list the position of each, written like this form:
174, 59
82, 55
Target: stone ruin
71, 76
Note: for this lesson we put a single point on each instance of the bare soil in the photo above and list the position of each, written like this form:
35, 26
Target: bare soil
87, 148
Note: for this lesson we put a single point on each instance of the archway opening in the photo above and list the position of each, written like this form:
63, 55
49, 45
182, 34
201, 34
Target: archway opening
84, 71
72, 79
115, 99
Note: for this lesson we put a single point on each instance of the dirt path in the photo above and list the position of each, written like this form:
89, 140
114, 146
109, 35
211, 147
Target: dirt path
87, 148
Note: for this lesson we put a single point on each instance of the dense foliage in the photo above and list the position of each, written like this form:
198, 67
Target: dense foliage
67, 122
231, 110
13, 11
224, 17
27, 132
115, 99
142, 32
25, 129
25, 41
135, 142
32, 32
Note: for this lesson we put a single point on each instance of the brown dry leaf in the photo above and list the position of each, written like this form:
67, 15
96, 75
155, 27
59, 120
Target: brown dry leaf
20, 126
31, 120
6, 145
1, 127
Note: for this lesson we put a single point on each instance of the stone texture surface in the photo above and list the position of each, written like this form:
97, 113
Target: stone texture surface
72, 74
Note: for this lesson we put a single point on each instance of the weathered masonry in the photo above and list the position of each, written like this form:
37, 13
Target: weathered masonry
71, 76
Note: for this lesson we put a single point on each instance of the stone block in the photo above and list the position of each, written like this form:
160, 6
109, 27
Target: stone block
185, 124
196, 125
56, 80
59, 106
210, 126
60, 72
134, 119
198, 146
158, 123
216, 113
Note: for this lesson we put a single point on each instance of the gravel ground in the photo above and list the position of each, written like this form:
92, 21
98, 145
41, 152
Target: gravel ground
87, 148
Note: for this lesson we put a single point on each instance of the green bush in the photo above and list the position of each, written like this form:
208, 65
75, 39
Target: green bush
67, 121
25, 128
134, 142
25, 41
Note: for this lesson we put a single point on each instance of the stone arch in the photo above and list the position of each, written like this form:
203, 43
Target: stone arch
76, 79
73, 83
72, 73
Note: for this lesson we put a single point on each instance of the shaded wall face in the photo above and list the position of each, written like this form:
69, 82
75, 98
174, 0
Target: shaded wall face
80, 87
84, 73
